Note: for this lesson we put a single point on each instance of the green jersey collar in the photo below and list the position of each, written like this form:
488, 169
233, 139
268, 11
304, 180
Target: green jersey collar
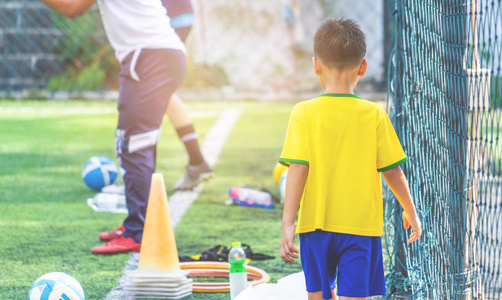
339, 95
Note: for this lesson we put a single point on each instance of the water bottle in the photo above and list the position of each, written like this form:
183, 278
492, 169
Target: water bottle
238, 274
108, 202
250, 196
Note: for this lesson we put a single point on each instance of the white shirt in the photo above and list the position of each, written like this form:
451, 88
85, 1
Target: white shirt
132, 25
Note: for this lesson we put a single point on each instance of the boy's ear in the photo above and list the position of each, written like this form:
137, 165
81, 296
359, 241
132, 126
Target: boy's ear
362, 68
317, 66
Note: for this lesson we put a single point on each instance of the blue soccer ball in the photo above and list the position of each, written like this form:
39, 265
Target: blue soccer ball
56, 285
99, 171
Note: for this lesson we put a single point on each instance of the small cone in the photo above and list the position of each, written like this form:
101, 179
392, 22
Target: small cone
158, 274
158, 247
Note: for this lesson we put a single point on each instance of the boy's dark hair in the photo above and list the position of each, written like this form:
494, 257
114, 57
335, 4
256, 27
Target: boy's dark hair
340, 43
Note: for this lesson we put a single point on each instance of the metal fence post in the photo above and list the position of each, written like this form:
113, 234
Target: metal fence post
400, 254
454, 35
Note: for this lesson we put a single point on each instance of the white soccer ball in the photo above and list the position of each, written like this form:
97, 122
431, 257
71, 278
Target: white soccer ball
282, 185
56, 286
99, 171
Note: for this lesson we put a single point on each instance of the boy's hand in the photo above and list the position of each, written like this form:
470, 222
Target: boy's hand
416, 225
288, 250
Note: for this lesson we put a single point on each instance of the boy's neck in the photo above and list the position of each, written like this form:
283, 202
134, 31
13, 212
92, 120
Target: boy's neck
340, 82
338, 91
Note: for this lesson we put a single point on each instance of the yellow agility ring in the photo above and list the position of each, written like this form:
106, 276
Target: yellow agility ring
219, 269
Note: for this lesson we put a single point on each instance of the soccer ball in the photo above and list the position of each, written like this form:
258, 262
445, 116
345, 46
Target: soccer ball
56, 286
282, 185
99, 171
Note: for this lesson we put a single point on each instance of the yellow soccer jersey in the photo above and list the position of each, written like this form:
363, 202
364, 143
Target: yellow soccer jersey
346, 142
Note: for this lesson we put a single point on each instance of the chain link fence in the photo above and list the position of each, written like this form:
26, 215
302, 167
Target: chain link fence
40, 49
446, 102
237, 46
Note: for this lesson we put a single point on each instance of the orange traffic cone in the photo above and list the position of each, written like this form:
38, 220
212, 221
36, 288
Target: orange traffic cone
158, 274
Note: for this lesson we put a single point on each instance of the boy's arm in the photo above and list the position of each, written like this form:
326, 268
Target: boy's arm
397, 182
295, 183
70, 8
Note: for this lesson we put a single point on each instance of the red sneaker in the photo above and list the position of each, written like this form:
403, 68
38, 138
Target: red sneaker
110, 235
118, 245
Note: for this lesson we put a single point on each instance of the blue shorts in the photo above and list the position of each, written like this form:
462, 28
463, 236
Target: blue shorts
352, 262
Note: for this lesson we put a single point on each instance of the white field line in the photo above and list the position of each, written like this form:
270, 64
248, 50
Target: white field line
180, 201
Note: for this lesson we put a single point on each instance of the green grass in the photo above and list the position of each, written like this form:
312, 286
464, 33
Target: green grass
46, 225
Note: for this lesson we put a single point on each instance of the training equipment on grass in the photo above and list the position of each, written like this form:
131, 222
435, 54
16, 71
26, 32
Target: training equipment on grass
246, 196
108, 202
278, 170
282, 186
220, 253
99, 171
219, 269
56, 285
158, 274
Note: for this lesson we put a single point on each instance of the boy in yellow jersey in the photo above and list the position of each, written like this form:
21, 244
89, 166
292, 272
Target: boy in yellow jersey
337, 145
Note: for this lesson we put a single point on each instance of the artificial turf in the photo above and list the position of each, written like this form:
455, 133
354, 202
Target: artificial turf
46, 225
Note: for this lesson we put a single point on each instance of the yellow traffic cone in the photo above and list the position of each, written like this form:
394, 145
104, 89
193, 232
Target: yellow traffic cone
158, 247
158, 274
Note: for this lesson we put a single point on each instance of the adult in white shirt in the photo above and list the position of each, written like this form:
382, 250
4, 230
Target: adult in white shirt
153, 65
